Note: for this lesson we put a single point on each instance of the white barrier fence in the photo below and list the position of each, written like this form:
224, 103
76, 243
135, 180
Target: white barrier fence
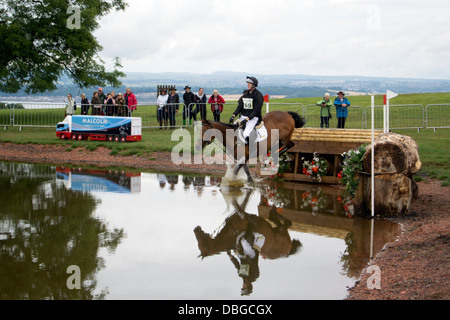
437, 116
408, 116
355, 118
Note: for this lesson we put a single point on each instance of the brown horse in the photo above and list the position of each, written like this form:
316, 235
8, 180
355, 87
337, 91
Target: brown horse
284, 122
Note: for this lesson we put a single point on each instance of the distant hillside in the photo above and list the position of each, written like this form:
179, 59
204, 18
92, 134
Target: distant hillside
291, 86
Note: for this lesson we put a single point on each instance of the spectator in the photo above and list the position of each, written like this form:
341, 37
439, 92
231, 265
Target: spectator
216, 102
200, 100
121, 106
84, 105
162, 109
110, 105
173, 102
188, 99
70, 106
130, 100
102, 97
341, 103
113, 95
96, 105
325, 113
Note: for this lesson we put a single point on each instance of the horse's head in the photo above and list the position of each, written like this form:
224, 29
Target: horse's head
204, 242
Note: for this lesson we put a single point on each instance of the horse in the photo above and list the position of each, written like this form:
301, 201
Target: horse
284, 122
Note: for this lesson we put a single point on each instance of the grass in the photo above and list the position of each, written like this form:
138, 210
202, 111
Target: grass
434, 146
153, 140
434, 149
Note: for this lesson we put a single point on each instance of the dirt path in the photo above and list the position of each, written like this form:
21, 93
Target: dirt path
416, 266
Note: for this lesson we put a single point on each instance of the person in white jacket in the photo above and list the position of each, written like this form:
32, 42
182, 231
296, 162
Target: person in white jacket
70, 106
162, 108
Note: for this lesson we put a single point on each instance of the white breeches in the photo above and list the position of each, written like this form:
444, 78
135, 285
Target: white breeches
249, 126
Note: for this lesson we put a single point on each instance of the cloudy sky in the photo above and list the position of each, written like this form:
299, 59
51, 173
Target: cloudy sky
394, 38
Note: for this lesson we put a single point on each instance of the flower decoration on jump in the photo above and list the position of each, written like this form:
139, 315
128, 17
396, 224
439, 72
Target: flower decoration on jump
314, 200
278, 197
347, 204
271, 168
352, 165
316, 168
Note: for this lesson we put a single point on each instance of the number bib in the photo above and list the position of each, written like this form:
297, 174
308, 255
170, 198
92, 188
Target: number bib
248, 103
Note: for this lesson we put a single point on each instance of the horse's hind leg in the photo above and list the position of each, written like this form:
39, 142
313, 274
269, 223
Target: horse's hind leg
286, 147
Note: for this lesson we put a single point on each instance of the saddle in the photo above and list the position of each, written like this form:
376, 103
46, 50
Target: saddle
260, 129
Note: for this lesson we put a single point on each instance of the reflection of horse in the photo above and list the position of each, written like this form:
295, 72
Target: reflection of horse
284, 122
277, 243
245, 236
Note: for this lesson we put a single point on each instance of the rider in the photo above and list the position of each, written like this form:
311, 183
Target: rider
249, 106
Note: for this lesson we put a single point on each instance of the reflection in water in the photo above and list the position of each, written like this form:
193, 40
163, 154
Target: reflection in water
48, 224
306, 208
44, 229
327, 211
89, 180
246, 236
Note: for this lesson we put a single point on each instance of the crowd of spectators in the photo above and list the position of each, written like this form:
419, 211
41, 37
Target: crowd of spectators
194, 104
101, 104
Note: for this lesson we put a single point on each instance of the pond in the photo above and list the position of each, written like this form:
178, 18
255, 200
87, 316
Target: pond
138, 235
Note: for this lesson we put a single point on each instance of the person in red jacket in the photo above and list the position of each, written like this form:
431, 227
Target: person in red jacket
216, 101
130, 100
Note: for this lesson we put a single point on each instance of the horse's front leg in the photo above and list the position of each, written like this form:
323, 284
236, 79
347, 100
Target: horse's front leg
238, 167
249, 176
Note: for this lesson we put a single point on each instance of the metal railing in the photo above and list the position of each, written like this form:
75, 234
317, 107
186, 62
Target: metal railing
296, 107
411, 116
406, 116
355, 118
437, 116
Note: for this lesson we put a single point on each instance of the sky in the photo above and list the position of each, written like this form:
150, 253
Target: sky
394, 38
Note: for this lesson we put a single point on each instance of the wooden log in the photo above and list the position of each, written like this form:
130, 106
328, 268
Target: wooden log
394, 194
394, 153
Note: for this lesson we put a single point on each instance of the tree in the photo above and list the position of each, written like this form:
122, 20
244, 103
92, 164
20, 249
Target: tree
44, 39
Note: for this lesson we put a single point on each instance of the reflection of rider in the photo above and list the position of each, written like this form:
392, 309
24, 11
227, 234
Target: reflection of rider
249, 106
248, 246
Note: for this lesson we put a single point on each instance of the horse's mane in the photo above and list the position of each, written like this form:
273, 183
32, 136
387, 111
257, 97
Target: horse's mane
232, 126
228, 125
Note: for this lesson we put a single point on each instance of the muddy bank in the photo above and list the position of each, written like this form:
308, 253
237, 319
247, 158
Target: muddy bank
416, 266
58, 155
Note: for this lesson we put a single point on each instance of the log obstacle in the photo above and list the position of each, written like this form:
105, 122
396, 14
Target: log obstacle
396, 162
329, 144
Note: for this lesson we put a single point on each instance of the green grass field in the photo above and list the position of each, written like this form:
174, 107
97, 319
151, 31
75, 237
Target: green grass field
434, 146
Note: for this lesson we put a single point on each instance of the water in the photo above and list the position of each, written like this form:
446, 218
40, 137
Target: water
132, 236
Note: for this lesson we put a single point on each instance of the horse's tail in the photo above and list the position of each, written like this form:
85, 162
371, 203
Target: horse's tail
299, 121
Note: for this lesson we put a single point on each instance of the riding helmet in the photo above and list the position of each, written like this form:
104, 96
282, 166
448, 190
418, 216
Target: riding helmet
253, 80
